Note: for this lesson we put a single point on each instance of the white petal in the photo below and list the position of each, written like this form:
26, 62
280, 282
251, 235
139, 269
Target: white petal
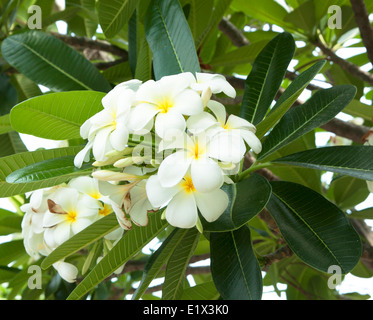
100, 144
252, 140
83, 155
212, 204
139, 212
52, 219
235, 122
188, 102
219, 111
67, 198
121, 217
206, 175
119, 137
158, 195
200, 122
216, 82
141, 115
227, 147
62, 232
167, 123
370, 186
80, 224
173, 168
67, 271
182, 212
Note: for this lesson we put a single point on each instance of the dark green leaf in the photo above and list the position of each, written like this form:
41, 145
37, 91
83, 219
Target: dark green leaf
8, 94
355, 161
234, 267
323, 106
170, 39
50, 62
113, 15
266, 76
130, 244
158, 259
48, 169
17, 161
315, 229
287, 99
173, 285
247, 198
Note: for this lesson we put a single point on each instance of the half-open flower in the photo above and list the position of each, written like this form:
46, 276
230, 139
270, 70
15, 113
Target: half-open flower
108, 129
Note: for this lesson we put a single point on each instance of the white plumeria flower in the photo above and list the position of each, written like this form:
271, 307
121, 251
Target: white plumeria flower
69, 213
183, 202
216, 82
168, 100
199, 154
32, 223
67, 271
220, 124
108, 129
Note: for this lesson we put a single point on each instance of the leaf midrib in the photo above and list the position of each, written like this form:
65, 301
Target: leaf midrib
299, 128
308, 226
51, 64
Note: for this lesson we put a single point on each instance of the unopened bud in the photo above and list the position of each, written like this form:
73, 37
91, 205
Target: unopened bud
107, 175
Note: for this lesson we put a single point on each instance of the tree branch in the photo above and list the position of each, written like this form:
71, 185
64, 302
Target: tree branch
344, 64
362, 21
82, 43
233, 33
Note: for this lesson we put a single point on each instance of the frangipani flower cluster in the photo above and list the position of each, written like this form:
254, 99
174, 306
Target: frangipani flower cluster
199, 144
54, 215
156, 145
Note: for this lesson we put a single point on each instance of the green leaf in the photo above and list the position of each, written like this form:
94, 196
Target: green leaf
362, 214
323, 106
349, 191
9, 222
56, 116
354, 161
47, 169
131, 243
170, 39
17, 161
113, 15
303, 17
265, 78
358, 109
8, 94
11, 251
173, 285
316, 230
234, 267
11, 143
247, 199
50, 62
204, 291
158, 259
287, 99
91, 234
5, 125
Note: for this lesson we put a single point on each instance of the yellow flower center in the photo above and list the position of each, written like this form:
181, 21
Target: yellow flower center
71, 216
197, 151
188, 185
95, 195
105, 210
165, 105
